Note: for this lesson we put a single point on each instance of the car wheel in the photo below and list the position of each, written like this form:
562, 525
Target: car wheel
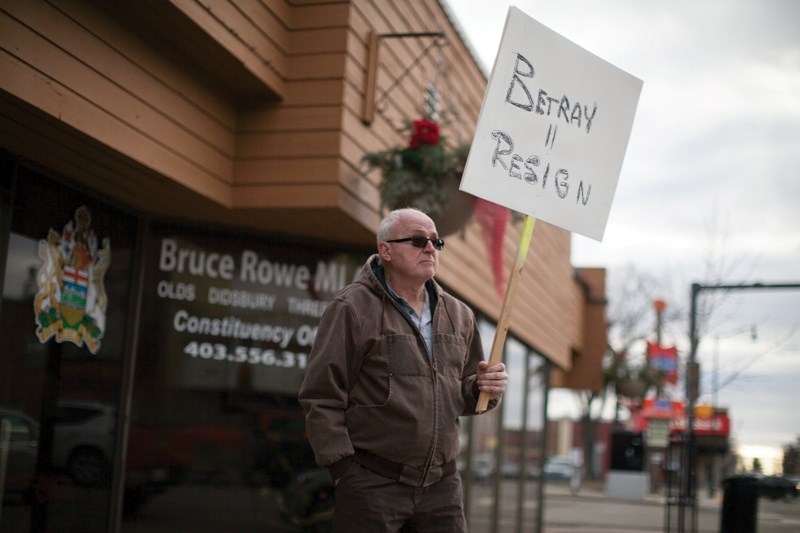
87, 467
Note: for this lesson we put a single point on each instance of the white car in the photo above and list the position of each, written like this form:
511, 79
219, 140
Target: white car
558, 468
83, 441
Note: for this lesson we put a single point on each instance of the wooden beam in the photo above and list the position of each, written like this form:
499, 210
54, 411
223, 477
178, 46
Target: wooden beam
368, 109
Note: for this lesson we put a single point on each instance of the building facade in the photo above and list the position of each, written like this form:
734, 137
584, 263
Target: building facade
181, 192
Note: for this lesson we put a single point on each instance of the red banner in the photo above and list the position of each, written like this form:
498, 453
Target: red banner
664, 359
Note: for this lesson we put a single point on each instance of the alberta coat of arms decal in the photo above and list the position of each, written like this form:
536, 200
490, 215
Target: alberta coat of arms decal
70, 304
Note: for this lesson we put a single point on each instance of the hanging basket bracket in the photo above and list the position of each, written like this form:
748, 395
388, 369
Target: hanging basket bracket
373, 43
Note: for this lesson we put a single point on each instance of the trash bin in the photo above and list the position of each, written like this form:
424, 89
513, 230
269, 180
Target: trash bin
739, 505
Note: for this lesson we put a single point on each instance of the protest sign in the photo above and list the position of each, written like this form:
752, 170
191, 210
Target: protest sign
553, 129
550, 140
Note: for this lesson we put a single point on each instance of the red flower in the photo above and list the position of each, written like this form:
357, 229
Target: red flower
425, 132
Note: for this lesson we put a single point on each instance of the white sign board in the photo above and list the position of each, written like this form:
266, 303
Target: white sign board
553, 129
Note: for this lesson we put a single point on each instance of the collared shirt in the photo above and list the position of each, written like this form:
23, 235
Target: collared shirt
423, 323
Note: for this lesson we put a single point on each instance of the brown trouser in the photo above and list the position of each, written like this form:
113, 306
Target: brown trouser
367, 502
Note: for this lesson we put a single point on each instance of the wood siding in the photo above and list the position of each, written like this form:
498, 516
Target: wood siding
586, 370
250, 113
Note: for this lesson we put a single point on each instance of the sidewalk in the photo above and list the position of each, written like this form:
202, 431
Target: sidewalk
592, 510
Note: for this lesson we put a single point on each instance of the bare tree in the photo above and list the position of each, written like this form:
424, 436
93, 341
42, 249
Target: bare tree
632, 319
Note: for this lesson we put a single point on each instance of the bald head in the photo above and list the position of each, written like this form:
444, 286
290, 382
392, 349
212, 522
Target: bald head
397, 220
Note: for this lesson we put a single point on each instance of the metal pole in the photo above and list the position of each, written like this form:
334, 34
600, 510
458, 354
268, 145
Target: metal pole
523, 454
659, 305
494, 526
542, 448
468, 478
688, 497
715, 390
5, 444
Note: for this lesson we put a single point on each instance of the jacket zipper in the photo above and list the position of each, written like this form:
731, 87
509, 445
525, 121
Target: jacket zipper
434, 383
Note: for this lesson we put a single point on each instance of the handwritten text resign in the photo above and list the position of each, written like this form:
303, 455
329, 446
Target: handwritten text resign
530, 169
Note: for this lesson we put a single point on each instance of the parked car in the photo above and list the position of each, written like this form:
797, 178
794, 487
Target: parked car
483, 469
83, 441
510, 469
22, 435
777, 488
558, 468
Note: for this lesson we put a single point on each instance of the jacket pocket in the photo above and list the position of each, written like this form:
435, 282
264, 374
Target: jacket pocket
397, 358
451, 353
407, 356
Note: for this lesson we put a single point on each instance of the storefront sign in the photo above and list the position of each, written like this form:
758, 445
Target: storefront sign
661, 408
241, 316
70, 303
707, 420
553, 129
657, 435
718, 425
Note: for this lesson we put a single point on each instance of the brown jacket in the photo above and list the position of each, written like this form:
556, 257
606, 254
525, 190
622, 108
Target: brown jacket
372, 393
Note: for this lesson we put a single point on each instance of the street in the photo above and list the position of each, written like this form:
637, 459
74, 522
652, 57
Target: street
591, 510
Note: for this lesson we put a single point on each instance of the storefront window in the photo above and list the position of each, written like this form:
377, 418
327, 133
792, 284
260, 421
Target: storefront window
62, 321
508, 453
217, 437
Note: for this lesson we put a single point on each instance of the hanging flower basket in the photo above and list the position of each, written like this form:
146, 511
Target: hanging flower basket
458, 206
426, 175
632, 388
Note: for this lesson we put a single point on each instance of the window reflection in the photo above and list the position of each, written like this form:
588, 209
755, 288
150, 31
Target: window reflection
217, 436
58, 400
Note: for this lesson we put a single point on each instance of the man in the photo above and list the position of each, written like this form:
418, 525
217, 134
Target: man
395, 362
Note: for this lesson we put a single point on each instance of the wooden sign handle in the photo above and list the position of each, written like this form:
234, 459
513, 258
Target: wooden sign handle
496, 355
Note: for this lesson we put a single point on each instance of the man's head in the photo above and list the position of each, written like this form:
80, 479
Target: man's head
409, 245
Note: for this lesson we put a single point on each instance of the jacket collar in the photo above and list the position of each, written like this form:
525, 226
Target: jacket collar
375, 268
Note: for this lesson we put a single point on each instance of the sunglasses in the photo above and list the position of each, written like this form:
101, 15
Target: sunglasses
421, 242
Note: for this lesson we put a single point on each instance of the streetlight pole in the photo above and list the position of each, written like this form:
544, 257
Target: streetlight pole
715, 385
688, 494
659, 305
688, 497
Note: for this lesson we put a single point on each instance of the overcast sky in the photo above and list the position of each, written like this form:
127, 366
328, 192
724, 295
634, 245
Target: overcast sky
711, 170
